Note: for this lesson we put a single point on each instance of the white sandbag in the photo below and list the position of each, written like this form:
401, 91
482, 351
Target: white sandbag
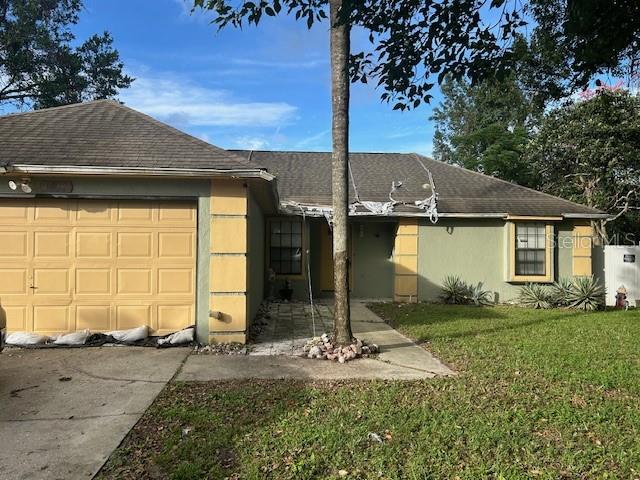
25, 338
177, 338
75, 338
130, 335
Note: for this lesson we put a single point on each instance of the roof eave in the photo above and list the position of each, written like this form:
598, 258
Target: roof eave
162, 172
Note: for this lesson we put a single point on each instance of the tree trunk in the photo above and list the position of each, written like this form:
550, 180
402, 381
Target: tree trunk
340, 178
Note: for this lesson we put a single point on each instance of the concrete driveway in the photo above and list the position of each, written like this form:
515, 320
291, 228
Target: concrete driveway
63, 411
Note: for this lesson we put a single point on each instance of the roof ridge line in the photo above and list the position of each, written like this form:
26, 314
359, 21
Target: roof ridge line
60, 107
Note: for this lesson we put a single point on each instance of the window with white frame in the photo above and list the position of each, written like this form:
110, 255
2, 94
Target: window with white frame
285, 247
531, 248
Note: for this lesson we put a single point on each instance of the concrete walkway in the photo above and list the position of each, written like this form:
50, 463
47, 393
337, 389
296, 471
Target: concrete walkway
277, 351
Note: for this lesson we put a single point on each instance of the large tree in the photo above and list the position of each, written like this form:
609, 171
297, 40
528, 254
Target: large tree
588, 152
486, 127
40, 67
414, 45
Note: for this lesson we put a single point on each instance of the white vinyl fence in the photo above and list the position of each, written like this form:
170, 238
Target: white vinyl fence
622, 267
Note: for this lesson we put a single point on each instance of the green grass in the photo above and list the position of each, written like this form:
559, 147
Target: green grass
540, 394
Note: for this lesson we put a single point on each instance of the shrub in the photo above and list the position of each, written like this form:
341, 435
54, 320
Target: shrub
560, 291
534, 295
586, 294
454, 290
479, 296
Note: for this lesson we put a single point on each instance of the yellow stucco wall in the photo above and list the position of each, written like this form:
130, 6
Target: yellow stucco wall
582, 245
405, 257
228, 263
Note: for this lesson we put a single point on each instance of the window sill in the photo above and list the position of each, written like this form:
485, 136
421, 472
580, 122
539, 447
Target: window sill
530, 279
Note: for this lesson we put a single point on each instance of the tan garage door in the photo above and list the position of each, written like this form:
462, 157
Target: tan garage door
67, 265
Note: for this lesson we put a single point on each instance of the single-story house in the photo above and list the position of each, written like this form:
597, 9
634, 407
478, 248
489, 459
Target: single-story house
110, 219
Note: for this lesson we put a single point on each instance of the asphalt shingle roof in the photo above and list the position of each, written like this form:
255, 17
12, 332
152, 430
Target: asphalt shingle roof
104, 133
305, 177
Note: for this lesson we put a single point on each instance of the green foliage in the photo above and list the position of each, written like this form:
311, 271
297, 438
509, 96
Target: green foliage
478, 295
588, 152
39, 64
560, 291
485, 128
457, 292
454, 290
535, 295
586, 294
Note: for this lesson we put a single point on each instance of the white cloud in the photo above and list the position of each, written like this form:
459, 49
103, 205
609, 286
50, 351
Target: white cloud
251, 143
275, 64
314, 142
180, 101
423, 148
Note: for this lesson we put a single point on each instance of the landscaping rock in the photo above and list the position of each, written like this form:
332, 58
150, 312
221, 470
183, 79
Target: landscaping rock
322, 348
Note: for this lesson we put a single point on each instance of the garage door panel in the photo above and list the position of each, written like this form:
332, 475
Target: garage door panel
134, 244
13, 244
135, 212
174, 317
13, 281
93, 317
132, 316
13, 211
94, 211
93, 244
53, 211
176, 213
16, 316
51, 244
97, 264
175, 281
51, 281
176, 244
93, 281
51, 318
134, 281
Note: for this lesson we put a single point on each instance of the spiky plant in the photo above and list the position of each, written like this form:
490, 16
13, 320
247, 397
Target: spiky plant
560, 291
534, 295
586, 294
454, 290
478, 295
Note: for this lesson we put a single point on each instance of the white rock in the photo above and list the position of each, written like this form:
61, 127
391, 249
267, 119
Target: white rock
315, 352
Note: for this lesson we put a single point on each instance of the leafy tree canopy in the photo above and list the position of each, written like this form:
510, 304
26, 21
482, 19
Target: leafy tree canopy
414, 44
588, 152
40, 67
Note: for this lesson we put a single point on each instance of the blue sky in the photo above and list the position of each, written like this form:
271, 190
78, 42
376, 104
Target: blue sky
262, 88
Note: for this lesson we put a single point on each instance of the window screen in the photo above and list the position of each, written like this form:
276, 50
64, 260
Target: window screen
286, 247
531, 243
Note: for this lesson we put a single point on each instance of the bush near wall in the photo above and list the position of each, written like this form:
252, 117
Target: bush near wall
583, 293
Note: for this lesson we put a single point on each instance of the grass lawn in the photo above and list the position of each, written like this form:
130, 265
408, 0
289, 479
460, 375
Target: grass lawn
540, 394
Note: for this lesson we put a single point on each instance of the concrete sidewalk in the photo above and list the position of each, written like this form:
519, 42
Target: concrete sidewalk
63, 411
278, 351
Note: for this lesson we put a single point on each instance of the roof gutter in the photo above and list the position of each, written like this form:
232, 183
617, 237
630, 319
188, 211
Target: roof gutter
161, 172
286, 209
591, 216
